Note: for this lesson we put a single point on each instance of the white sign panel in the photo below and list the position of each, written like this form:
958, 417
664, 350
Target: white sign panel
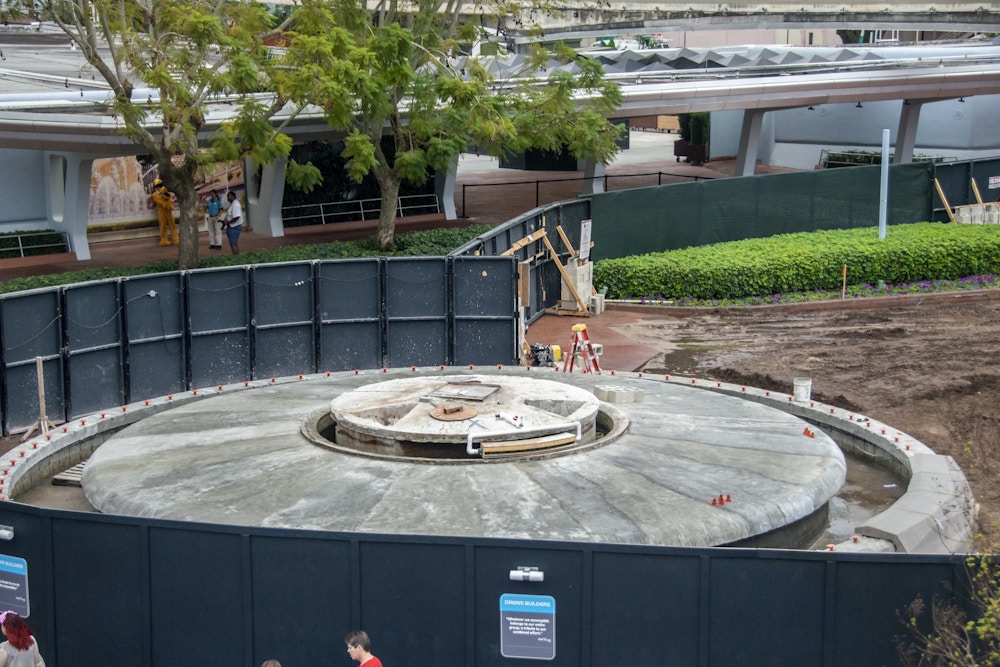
585, 239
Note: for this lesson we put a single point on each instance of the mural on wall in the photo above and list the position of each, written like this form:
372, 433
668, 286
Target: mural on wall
120, 189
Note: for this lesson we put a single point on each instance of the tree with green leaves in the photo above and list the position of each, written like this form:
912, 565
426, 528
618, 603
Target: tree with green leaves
964, 627
191, 56
394, 71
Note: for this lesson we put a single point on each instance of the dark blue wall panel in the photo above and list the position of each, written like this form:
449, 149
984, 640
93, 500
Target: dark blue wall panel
303, 588
99, 572
197, 597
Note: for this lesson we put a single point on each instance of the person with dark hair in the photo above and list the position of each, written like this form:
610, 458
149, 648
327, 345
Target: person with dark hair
234, 222
213, 211
20, 649
359, 648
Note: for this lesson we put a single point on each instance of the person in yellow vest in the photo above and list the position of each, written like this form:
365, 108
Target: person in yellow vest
165, 212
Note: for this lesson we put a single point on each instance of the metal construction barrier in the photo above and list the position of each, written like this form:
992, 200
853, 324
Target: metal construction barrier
956, 180
199, 594
108, 343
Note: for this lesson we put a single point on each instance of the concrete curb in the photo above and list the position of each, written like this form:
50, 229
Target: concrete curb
935, 515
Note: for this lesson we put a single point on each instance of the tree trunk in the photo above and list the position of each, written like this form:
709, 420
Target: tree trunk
388, 183
187, 225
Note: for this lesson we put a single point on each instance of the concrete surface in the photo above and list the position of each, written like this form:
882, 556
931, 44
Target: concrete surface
240, 459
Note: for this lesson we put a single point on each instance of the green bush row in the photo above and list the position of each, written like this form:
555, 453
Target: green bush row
429, 243
805, 261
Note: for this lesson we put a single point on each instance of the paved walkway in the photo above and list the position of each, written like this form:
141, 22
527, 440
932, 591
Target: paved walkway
485, 193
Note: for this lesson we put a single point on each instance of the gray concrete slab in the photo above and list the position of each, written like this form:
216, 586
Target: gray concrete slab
241, 459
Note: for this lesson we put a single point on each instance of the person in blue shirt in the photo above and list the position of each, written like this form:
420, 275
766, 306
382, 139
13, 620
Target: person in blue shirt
213, 222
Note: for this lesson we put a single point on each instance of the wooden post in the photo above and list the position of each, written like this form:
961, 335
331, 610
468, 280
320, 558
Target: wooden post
43, 424
944, 200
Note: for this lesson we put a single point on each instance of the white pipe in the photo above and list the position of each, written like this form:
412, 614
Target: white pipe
883, 202
552, 428
510, 420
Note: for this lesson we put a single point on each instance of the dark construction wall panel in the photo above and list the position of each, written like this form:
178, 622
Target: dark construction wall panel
982, 171
790, 633
645, 598
32, 326
196, 597
405, 605
93, 334
956, 179
351, 346
416, 312
302, 595
283, 317
220, 326
484, 310
198, 594
154, 313
883, 590
350, 312
99, 573
564, 574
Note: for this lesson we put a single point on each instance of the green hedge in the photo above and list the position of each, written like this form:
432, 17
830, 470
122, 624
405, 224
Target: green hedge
805, 261
429, 243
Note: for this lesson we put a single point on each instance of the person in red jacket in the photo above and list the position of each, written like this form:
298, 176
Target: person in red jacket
359, 648
165, 212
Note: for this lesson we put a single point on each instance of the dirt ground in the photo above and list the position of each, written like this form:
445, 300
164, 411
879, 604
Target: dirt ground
928, 367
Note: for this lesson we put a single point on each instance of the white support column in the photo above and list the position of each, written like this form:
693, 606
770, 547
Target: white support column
746, 154
264, 198
593, 177
67, 201
444, 188
906, 135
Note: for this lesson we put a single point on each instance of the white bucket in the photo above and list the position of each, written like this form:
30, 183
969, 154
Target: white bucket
802, 388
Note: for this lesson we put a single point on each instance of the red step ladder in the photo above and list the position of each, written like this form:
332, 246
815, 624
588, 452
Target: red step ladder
581, 345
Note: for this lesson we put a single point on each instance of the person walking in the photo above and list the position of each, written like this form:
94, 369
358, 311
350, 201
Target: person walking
234, 222
359, 648
164, 201
20, 649
213, 206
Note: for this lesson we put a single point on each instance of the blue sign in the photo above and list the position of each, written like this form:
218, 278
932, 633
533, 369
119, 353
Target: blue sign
528, 626
14, 585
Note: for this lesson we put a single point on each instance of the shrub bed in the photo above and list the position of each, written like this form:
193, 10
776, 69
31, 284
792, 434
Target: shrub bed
428, 243
804, 262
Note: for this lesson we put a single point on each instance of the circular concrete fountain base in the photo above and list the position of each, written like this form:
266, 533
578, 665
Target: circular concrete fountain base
241, 459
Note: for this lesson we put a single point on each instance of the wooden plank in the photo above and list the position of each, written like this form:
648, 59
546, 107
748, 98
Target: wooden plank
517, 245
70, 477
569, 282
528, 444
975, 189
944, 200
565, 240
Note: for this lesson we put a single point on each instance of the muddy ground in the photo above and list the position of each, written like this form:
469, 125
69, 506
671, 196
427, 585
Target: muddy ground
930, 368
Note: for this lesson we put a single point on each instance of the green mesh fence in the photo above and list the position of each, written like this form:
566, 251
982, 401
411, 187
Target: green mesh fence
668, 217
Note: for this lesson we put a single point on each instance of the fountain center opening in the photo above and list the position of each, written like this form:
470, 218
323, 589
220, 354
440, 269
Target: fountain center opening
463, 418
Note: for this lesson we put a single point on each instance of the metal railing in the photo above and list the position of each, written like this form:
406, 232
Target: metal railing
29, 244
358, 209
606, 178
